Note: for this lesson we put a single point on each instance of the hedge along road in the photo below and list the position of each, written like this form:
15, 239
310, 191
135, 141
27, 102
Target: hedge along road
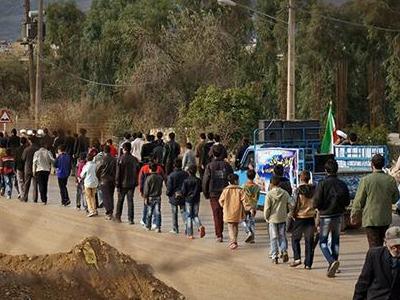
200, 269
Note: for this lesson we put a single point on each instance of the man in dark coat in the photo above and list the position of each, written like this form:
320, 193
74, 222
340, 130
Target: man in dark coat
214, 181
380, 276
171, 152
106, 174
126, 181
174, 192
27, 158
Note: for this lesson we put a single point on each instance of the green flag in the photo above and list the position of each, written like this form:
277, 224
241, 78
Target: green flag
329, 135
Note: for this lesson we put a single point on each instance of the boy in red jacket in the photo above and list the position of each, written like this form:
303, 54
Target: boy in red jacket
7, 170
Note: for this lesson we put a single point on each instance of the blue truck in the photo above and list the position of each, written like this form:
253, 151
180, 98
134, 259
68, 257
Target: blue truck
295, 145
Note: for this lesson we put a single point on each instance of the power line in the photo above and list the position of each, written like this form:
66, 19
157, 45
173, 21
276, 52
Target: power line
262, 14
87, 80
351, 23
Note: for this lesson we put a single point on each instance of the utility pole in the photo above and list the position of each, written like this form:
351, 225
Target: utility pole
291, 106
31, 67
39, 63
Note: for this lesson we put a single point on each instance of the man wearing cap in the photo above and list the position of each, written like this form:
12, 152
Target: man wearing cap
380, 276
374, 198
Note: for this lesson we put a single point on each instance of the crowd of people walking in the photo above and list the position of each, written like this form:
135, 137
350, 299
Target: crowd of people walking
150, 163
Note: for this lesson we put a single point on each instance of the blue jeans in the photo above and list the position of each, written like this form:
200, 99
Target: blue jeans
278, 240
8, 183
144, 214
249, 223
154, 208
175, 209
192, 215
330, 225
80, 196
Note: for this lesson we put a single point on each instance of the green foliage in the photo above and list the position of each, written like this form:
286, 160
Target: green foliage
233, 113
367, 136
14, 84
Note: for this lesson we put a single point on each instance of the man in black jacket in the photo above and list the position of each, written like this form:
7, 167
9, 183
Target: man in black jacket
380, 276
174, 192
331, 198
106, 173
171, 152
126, 181
214, 181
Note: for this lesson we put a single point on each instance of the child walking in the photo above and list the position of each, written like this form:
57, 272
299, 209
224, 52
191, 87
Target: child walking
252, 193
303, 221
7, 170
191, 190
80, 196
152, 194
90, 182
275, 213
232, 201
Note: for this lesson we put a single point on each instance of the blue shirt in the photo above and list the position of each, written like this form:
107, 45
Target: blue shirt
63, 165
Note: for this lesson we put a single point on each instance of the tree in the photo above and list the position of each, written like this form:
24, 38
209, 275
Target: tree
233, 113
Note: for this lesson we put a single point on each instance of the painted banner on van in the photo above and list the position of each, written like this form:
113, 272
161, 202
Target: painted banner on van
267, 158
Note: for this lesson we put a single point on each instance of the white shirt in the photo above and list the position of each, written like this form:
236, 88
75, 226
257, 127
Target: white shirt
42, 160
189, 159
137, 145
89, 175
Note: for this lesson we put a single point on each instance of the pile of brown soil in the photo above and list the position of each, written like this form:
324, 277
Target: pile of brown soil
91, 270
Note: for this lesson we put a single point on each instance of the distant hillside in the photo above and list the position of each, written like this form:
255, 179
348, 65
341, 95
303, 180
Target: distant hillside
12, 14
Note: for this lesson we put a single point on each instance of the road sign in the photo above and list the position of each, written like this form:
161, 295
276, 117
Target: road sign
5, 116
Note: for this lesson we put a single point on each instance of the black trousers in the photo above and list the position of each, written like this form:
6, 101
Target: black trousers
107, 188
128, 193
28, 178
376, 235
306, 227
42, 178
62, 183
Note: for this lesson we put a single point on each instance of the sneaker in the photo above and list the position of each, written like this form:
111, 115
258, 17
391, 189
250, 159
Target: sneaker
109, 217
67, 203
219, 240
131, 222
142, 223
158, 230
92, 214
8, 197
233, 246
202, 231
173, 231
153, 226
275, 260
307, 267
295, 263
332, 269
78, 208
249, 237
285, 257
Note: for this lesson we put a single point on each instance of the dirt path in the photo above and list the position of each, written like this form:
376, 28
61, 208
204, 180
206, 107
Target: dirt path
200, 269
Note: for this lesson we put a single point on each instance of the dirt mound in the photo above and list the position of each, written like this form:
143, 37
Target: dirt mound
91, 270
